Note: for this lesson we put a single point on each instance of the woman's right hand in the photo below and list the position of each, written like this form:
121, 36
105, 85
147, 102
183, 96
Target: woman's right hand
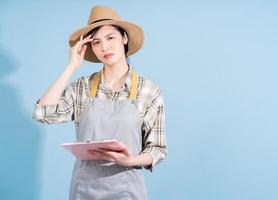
77, 51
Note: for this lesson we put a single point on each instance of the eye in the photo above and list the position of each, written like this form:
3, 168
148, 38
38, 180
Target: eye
110, 38
95, 43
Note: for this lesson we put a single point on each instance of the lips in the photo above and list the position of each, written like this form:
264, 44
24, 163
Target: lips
108, 55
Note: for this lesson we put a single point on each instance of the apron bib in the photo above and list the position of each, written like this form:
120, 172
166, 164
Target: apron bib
100, 179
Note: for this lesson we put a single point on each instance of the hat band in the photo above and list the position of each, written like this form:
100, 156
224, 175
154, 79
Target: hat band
99, 20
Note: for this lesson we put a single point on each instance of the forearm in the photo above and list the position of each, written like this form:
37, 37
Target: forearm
53, 94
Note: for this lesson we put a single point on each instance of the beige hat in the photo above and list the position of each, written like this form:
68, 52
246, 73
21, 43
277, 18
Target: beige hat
101, 15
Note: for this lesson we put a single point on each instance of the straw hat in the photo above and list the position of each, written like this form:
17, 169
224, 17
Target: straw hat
102, 15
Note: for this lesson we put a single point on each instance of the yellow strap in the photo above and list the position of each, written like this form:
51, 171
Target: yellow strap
94, 85
133, 87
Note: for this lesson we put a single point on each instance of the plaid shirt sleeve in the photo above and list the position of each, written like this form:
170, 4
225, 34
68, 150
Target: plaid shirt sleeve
63, 111
153, 130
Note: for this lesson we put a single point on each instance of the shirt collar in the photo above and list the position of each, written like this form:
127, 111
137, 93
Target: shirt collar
128, 80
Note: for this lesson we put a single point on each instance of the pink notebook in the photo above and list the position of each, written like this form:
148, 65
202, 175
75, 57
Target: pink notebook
80, 149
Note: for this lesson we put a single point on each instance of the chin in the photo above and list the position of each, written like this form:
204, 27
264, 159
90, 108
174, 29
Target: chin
110, 61
106, 62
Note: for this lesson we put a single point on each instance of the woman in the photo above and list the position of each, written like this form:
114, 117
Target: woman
115, 103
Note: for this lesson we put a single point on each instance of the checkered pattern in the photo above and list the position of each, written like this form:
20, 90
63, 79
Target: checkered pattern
149, 102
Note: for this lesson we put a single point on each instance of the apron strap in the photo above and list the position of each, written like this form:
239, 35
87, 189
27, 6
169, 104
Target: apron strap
94, 85
133, 87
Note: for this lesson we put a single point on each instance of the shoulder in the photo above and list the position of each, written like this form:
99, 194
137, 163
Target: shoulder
149, 89
83, 80
79, 88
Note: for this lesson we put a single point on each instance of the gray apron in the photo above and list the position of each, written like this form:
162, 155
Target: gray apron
100, 179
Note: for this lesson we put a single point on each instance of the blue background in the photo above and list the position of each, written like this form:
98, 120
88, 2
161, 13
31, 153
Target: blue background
216, 63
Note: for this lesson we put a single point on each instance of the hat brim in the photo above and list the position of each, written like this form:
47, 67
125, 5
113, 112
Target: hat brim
135, 37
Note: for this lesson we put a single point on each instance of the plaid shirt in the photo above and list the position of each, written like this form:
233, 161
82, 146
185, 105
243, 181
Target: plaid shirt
150, 105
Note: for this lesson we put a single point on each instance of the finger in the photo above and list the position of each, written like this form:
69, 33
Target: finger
87, 39
104, 156
113, 154
124, 151
79, 49
92, 152
83, 50
91, 39
108, 150
81, 39
97, 152
107, 153
79, 45
84, 39
96, 155
88, 36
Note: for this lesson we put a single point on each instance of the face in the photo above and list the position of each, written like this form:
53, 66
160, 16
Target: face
108, 45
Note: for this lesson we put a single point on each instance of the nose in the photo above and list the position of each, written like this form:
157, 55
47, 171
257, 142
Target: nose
104, 47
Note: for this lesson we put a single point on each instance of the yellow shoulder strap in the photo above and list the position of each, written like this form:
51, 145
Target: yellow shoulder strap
94, 85
134, 86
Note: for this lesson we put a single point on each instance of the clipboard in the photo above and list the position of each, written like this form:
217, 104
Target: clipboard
80, 149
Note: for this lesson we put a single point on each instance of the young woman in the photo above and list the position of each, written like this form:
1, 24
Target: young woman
114, 103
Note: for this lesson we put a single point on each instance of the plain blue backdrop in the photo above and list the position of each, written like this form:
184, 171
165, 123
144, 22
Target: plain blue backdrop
216, 63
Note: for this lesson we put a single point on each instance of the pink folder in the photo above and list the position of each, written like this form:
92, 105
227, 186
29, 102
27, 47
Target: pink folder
80, 149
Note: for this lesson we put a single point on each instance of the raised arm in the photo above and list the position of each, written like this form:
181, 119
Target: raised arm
53, 94
57, 103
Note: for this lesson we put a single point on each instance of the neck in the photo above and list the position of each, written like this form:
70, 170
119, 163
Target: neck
115, 75
112, 73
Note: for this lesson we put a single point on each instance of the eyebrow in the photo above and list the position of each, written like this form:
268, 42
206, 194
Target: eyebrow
104, 36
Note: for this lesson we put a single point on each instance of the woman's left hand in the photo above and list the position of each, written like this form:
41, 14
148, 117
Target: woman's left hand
123, 157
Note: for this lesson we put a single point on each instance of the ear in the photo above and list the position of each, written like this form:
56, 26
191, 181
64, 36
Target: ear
125, 38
